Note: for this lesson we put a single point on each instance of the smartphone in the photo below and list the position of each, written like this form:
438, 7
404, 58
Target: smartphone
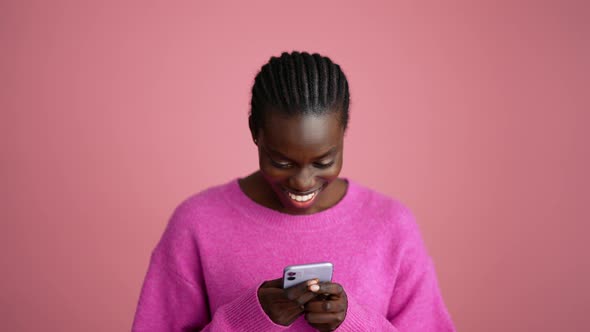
296, 274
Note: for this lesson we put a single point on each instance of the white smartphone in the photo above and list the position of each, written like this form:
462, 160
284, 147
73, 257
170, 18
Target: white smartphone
296, 274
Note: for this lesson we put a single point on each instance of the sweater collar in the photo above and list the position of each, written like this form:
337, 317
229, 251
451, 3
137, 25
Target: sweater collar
344, 210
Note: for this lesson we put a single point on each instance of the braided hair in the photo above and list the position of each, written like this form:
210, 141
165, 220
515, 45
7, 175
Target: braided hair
299, 84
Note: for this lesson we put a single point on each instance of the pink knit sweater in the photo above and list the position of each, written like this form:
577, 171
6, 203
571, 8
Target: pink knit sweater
220, 246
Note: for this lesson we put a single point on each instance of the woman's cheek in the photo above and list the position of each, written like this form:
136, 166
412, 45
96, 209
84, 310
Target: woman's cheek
272, 174
332, 173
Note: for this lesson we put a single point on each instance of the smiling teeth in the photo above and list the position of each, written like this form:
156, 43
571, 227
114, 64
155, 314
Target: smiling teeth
299, 198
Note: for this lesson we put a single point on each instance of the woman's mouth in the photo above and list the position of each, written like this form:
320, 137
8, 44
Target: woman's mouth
300, 198
302, 201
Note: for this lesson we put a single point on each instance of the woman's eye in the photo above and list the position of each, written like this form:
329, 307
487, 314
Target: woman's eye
324, 165
280, 165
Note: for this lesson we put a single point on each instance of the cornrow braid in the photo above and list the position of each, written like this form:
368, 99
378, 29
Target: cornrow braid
299, 83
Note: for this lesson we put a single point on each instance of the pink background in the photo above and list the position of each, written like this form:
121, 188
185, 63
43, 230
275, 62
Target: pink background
474, 115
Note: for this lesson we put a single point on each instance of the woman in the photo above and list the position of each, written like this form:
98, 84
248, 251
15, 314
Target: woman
219, 263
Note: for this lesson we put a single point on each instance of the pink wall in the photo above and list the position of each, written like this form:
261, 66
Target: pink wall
475, 115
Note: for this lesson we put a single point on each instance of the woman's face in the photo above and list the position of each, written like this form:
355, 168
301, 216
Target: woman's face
300, 156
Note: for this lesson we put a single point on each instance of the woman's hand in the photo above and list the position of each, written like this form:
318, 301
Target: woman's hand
284, 306
327, 312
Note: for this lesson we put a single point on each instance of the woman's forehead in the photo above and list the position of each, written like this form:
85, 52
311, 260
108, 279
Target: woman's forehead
309, 130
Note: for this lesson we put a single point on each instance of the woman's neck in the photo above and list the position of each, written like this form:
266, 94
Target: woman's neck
259, 190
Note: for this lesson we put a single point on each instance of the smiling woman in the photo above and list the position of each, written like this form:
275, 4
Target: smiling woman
216, 264
300, 158
298, 118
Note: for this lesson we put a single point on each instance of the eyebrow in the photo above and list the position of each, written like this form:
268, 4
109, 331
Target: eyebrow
282, 156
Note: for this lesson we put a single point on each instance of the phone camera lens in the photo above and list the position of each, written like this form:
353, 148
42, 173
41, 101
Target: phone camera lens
290, 274
291, 278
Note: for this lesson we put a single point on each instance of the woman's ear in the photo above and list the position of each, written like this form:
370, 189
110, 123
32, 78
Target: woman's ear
253, 130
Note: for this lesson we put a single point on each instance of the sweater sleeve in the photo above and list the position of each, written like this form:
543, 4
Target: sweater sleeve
174, 295
416, 303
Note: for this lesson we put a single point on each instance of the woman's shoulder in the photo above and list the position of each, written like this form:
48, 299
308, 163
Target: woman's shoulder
178, 244
187, 215
384, 206
376, 198
213, 196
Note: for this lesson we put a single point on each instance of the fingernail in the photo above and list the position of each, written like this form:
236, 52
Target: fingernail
314, 288
312, 282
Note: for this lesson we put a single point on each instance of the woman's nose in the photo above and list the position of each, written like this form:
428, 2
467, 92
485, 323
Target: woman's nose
303, 180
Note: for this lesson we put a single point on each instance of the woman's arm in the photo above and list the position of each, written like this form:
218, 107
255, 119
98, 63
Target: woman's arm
416, 303
168, 302
416, 306
174, 295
